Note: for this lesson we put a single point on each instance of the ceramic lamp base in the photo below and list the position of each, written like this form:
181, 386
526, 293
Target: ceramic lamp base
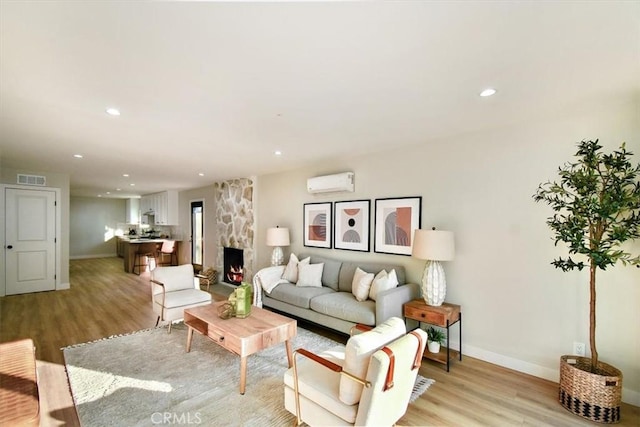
434, 284
277, 256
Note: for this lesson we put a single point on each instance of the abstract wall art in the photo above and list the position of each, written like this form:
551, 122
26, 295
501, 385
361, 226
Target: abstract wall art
395, 222
317, 225
352, 222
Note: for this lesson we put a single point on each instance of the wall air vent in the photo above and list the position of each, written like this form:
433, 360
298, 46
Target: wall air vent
331, 183
31, 180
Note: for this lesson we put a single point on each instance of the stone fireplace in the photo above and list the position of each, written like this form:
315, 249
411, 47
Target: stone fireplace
235, 223
233, 266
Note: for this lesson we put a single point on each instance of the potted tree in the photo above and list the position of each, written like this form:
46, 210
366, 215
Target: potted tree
435, 337
596, 208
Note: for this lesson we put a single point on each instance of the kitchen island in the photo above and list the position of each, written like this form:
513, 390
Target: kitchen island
130, 246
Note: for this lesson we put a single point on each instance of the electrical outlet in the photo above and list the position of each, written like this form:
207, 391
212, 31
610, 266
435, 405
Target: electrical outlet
578, 348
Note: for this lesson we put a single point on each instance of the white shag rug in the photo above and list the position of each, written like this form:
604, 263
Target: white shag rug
146, 378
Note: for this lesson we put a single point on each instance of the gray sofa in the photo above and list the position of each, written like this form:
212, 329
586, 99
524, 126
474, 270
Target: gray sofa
333, 305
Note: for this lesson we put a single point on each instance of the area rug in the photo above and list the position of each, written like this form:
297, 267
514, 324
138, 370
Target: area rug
146, 378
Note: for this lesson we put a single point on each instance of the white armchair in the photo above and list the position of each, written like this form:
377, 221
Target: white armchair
173, 289
367, 382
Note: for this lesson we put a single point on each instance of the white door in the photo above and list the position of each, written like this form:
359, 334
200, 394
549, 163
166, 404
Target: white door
30, 240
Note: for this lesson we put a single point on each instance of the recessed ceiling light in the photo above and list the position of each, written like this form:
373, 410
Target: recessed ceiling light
278, 153
132, 184
200, 174
126, 175
78, 156
118, 189
108, 192
99, 195
488, 92
113, 111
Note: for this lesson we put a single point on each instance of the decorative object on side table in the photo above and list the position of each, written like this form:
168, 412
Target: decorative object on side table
436, 338
596, 208
434, 246
277, 237
239, 303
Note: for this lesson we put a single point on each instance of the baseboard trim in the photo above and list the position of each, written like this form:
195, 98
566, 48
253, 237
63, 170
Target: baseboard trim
110, 255
629, 396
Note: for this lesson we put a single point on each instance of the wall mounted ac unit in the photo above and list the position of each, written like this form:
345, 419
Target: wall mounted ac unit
331, 183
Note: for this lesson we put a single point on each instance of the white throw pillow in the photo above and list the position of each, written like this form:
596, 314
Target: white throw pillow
310, 275
358, 351
290, 273
361, 284
382, 282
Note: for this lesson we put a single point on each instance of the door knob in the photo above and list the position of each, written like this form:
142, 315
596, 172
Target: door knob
10, 247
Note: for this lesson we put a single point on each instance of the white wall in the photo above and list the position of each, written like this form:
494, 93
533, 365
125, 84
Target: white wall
93, 225
519, 311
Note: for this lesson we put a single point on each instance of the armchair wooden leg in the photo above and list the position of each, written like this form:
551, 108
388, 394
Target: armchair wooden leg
170, 323
158, 321
296, 391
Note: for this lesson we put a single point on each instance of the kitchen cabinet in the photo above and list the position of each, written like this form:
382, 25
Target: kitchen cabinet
163, 206
120, 246
145, 208
133, 211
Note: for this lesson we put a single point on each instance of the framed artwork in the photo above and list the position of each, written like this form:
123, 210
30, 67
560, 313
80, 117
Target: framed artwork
352, 222
395, 222
317, 225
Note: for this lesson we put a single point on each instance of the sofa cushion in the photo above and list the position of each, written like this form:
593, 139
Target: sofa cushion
290, 273
358, 352
382, 282
348, 269
343, 305
331, 271
310, 275
361, 284
298, 296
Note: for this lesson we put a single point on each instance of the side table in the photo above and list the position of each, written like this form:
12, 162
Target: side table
444, 316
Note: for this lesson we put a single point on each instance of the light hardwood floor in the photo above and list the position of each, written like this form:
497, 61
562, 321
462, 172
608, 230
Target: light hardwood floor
105, 301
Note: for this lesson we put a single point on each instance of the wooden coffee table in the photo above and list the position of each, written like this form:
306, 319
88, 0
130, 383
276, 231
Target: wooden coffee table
261, 330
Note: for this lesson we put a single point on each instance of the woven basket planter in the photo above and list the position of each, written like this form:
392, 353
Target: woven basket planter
592, 396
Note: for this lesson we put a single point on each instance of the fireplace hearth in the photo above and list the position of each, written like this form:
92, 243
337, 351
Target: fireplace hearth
233, 265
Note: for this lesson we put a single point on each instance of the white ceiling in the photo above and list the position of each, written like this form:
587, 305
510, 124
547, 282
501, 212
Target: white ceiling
217, 87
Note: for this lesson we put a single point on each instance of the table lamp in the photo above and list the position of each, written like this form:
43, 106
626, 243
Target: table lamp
434, 246
277, 237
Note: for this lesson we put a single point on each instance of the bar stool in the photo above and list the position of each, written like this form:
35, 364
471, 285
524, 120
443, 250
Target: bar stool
168, 249
141, 253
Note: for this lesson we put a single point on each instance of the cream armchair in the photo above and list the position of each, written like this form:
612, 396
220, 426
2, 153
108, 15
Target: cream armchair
367, 382
173, 289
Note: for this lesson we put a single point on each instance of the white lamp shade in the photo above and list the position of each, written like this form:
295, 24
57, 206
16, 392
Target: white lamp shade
277, 236
433, 245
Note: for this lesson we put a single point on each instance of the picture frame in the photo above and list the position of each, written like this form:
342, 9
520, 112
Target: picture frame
352, 225
317, 224
396, 220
